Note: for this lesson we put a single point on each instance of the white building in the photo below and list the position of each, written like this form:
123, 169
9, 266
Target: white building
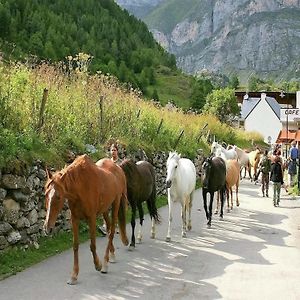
262, 115
277, 123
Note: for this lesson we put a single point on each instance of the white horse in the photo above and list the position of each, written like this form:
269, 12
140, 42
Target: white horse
181, 183
219, 150
243, 159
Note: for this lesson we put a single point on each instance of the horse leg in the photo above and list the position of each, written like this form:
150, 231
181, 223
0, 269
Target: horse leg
133, 214
110, 250
222, 191
92, 229
210, 209
183, 217
227, 198
168, 237
189, 227
75, 225
231, 198
204, 195
218, 203
141, 214
237, 195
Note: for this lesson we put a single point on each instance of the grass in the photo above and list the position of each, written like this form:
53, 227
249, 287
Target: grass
16, 260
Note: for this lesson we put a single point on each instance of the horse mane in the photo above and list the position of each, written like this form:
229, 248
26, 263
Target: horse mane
174, 155
72, 172
130, 169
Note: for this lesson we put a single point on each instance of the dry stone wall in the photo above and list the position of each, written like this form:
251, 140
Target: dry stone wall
22, 209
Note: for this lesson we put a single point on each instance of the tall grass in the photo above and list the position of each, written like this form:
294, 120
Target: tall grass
83, 109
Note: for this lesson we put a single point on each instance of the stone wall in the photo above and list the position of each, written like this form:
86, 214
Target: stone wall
22, 209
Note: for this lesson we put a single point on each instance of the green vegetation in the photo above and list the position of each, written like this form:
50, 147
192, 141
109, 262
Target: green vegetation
117, 42
16, 260
82, 109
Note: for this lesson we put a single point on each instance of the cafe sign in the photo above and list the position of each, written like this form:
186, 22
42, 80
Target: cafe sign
290, 114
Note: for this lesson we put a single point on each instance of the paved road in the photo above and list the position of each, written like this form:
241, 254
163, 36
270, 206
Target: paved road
253, 254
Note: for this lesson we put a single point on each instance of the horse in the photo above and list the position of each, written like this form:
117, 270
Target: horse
213, 179
243, 160
219, 150
89, 190
141, 187
232, 179
181, 183
254, 158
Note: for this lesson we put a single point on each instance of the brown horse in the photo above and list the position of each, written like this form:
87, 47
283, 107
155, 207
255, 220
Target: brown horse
141, 187
232, 179
89, 190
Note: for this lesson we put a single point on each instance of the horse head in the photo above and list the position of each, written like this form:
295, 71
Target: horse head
172, 164
214, 147
54, 199
206, 170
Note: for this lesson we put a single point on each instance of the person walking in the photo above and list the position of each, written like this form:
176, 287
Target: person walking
265, 168
277, 178
292, 163
114, 153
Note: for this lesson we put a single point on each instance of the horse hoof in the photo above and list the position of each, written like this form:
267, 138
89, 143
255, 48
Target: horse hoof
104, 270
239, 204
216, 212
98, 268
228, 210
189, 228
138, 241
208, 225
72, 281
184, 235
131, 248
221, 218
168, 239
112, 258
152, 236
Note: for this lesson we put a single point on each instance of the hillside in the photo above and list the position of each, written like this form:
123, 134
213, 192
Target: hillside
114, 41
243, 37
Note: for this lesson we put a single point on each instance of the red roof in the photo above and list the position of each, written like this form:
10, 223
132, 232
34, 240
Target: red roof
288, 137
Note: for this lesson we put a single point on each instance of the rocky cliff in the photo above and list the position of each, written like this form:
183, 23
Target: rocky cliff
234, 36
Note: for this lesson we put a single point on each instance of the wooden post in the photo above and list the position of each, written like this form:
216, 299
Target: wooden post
179, 137
201, 132
159, 126
101, 118
138, 113
42, 110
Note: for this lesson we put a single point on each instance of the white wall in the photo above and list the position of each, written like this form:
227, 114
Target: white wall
263, 120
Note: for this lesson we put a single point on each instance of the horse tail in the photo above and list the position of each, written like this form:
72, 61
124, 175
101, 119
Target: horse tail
122, 219
152, 206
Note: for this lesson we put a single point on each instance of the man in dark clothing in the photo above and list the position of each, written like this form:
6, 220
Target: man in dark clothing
277, 178
292, 164
265, 168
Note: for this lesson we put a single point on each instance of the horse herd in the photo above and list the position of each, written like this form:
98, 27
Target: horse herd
104, 188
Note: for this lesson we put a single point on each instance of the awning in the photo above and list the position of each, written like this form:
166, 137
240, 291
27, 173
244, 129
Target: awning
288, 137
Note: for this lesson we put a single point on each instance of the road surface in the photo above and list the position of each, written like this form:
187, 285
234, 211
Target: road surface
254, 253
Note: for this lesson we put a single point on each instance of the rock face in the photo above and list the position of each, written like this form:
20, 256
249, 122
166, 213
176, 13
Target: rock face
242, 36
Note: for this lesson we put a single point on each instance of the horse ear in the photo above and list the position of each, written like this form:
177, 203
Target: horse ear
49, 174
179, 155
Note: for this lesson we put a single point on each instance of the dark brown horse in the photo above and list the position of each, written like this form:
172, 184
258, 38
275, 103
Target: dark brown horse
213, 179
141, 187
89, 190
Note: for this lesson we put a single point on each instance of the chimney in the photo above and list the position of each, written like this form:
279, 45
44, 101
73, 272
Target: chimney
298, 99
263, 96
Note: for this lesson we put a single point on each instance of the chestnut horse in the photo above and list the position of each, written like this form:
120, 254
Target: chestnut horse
141, 187
232, 179
89, 190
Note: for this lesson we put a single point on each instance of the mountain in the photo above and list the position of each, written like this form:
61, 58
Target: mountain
116, 42
244, 37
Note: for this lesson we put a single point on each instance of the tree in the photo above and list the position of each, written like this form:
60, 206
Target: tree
234, 82
223, 104
200, 89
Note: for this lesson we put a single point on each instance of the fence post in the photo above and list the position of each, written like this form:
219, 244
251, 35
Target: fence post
101, 118
42, 110
179, 137
201, 132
